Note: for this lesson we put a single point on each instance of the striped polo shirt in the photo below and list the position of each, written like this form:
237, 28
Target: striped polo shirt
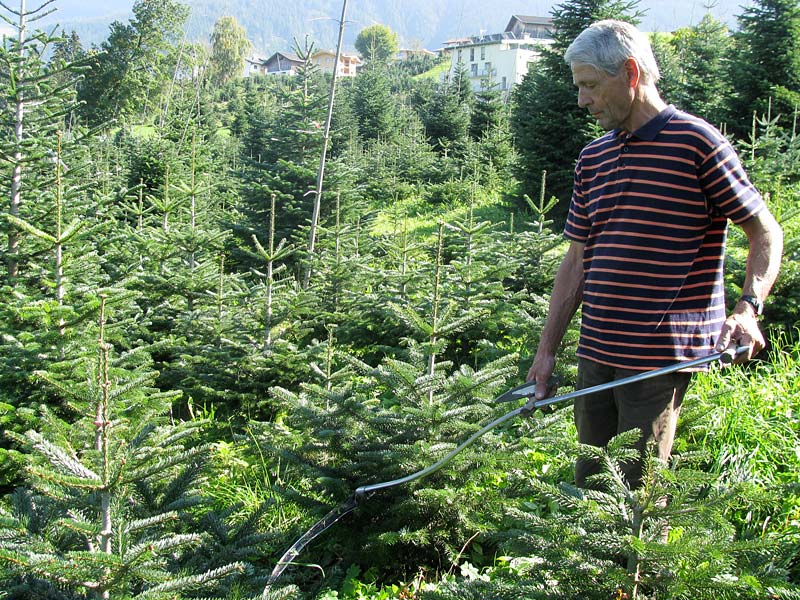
652, 209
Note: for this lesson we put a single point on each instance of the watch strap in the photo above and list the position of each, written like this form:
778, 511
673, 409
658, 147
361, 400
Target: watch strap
757, 305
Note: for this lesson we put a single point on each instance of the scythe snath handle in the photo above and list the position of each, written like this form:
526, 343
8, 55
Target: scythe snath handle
727, 356
523, 391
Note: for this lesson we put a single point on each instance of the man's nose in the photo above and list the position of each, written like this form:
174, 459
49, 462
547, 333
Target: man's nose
583, 99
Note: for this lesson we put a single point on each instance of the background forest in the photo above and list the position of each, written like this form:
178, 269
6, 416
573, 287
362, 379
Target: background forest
198, 360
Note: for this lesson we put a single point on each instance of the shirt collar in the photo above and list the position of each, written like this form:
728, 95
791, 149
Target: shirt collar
653, 127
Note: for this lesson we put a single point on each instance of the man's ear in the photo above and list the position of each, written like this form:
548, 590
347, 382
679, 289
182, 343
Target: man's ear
632, 72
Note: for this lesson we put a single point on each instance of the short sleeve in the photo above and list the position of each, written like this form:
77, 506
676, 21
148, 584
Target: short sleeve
726, 185
578, 223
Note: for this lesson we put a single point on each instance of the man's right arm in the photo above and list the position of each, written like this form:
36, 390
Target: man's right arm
564, 301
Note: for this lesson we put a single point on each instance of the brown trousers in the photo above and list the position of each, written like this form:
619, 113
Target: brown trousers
651, 405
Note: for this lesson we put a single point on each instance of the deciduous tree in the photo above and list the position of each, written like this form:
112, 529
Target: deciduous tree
377, 43
229, 46
135, 63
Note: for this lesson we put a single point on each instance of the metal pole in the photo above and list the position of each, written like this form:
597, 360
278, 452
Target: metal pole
726, 356
326, 134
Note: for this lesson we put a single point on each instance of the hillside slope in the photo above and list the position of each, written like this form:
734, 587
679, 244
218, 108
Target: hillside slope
272, 25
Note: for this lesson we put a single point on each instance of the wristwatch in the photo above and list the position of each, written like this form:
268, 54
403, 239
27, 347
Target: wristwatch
757, 305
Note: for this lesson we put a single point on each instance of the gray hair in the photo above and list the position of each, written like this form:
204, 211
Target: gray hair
606, 45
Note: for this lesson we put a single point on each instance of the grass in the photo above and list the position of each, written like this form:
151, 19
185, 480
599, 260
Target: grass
436, 73
421, 217
749, 417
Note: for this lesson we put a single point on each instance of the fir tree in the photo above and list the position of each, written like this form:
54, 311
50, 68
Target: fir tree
766, 68
192, 297
343, 267
67, 51
259, 109
111, 488
703, 53
770, 154
485, 265
383, 425
403, 253
669, 538
488, 112
50, 219
447, 117
344, 124
544, 104
35, 101
669, 65
374, 105
273, 255
287, 163
442, 316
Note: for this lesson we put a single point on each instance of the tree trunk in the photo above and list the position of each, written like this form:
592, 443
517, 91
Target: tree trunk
16, 176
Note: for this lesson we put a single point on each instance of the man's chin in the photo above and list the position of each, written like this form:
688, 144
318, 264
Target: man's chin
606, 125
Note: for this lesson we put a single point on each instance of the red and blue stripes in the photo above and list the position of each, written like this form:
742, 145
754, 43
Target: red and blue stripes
652, 209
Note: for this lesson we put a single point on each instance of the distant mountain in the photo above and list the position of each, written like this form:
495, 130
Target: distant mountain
272, 25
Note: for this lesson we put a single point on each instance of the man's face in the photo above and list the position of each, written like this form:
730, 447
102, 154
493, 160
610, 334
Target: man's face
609, 98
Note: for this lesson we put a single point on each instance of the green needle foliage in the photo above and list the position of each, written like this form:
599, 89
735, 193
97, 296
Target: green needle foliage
671, 538
766, 69
428, 289
549, 125
397, 420
103, 516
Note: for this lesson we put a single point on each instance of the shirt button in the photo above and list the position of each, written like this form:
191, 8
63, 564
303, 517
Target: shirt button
625, 149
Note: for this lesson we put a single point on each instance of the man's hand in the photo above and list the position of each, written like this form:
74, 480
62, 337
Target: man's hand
741, 329
541, 371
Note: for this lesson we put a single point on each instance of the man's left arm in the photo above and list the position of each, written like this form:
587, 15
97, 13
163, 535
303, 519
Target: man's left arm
765, 239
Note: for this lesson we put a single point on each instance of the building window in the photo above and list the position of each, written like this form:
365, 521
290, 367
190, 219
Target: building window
483, 52
474, 69
504, 85
487, 69
472, 54
459, 55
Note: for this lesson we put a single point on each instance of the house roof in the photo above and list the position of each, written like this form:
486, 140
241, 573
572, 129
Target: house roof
528, 20
457, 41
286, 56
342, 55
490, 39
423, 51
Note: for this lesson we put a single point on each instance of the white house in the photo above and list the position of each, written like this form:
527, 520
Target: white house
284, 63
501, 59
254, 65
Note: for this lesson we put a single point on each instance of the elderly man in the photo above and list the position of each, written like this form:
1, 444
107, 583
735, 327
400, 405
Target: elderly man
647, 226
